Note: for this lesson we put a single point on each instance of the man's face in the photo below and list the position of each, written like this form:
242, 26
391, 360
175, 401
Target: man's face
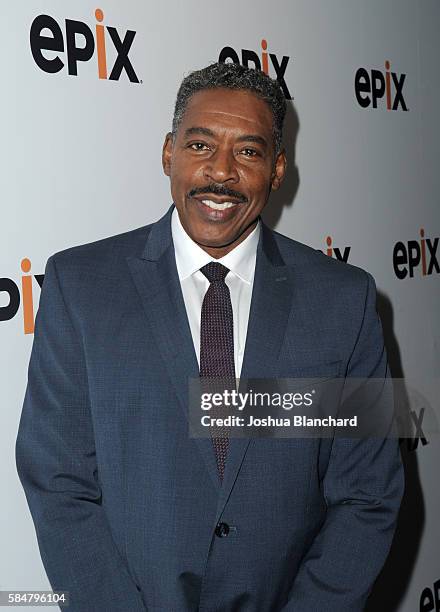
222, 166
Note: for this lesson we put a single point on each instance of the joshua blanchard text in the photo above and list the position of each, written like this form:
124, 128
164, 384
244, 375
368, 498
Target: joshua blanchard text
296, 421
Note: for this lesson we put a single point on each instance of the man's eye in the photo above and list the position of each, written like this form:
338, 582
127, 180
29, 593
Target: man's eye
197, 146
250, 152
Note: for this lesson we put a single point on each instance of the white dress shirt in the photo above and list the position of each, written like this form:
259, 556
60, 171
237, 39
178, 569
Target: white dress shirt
240, 280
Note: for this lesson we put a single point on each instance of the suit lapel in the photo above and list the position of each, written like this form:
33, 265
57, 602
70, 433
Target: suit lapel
270, 309
269, 312
157, 282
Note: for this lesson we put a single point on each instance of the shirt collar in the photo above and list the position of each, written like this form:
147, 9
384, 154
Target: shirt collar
190, 257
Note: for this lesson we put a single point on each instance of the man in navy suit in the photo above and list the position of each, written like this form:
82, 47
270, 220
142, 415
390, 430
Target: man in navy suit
133, 514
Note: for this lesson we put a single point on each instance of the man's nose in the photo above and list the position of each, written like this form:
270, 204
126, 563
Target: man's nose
221, 167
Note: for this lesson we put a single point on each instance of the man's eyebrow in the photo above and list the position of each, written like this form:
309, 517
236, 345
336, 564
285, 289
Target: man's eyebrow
253, 138
199, 130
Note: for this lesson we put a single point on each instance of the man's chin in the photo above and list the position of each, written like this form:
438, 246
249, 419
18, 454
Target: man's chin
217, 242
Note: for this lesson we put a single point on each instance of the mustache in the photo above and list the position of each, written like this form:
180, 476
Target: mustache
216, 189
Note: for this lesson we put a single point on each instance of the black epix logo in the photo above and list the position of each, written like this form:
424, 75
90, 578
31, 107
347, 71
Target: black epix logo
418, 255
80, 44
372, 86
250, 58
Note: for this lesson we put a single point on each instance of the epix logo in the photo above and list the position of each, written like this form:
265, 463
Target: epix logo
409, 256
372, 86
250, 57
430, 598
79, 43
8, 286
338, 253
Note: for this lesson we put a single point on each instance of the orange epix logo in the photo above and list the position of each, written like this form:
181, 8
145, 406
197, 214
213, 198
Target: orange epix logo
12, 290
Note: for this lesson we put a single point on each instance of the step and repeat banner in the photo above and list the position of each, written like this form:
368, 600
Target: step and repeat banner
87, 98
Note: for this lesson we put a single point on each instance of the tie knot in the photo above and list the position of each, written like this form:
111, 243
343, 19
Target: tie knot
214, 271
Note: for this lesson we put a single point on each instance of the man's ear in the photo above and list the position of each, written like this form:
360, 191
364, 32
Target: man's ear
279, 170
167, 152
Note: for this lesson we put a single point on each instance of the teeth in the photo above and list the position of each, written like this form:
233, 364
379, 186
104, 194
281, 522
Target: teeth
217, 206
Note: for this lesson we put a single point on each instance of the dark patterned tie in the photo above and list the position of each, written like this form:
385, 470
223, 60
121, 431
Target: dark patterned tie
217, 344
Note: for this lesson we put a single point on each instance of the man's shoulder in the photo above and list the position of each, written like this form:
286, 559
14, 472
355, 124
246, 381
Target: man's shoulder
330, 290
104, 256
315, 265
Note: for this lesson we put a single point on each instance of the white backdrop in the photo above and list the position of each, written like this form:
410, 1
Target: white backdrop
80, 160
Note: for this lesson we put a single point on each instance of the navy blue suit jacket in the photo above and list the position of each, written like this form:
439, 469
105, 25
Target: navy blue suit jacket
125, 503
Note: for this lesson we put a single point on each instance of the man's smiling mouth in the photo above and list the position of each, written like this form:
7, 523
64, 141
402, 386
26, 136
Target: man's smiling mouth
219, 205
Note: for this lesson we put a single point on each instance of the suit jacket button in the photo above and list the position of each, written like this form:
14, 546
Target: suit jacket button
222, 530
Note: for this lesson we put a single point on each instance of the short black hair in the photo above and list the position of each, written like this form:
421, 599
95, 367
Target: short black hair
233, 76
